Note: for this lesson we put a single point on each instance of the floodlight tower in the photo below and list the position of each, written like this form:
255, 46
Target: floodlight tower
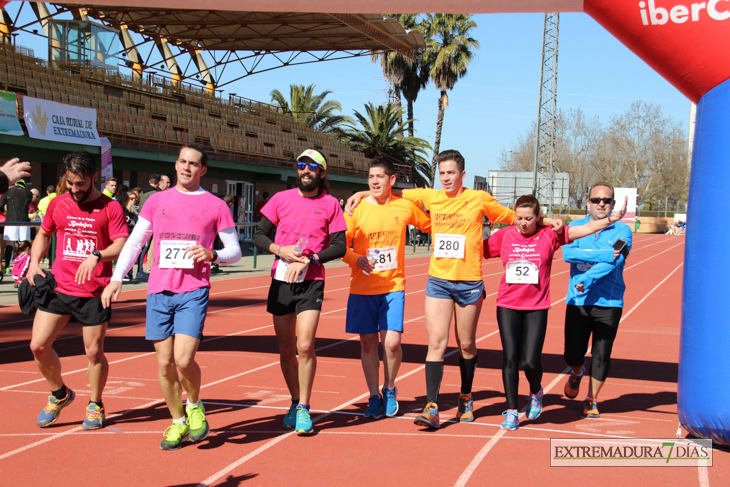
545, 139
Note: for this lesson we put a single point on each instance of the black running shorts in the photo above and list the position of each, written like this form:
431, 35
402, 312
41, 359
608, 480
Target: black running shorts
296, 297
87, 311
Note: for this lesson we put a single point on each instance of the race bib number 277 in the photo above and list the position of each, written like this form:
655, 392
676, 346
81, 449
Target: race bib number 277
173, 255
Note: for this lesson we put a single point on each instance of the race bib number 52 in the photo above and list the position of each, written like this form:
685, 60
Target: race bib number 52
522, 272
173, 255
449, 246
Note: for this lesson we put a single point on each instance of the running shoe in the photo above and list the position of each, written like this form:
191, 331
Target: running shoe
290, 420
199, 428
534, 405
50, 413
429, 417
174, 435
375, 407
304, 421
511, 421
465, 413
94, 417
390, 402
590, 408
573, 384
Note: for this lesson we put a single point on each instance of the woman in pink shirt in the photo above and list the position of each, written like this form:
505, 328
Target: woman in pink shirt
523, 299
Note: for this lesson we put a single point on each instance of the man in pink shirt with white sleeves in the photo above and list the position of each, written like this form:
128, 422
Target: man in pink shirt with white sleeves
183, 222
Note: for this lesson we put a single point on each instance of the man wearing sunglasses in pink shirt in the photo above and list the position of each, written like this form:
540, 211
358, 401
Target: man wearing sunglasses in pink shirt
310, 230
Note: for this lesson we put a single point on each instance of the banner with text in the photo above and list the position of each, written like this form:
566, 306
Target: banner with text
58, 122
106, 160
9, 123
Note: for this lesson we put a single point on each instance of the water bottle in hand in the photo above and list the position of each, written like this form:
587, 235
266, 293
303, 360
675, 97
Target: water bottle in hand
301, 245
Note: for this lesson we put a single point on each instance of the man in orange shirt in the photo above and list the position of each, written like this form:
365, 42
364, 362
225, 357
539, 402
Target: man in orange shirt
455, 287
376, 233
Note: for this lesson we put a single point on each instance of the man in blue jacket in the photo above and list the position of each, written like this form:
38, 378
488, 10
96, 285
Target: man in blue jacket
595, 296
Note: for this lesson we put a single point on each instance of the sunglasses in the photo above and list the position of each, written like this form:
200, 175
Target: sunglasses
606, 201
312, 166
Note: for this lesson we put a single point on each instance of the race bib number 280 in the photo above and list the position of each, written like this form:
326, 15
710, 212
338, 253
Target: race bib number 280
173, 255
449, 246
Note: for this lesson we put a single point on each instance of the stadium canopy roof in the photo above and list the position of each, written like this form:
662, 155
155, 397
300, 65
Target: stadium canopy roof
226, 30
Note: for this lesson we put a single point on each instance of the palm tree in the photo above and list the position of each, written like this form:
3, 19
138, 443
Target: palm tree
380, 131
450, 53
310, 109
407, 76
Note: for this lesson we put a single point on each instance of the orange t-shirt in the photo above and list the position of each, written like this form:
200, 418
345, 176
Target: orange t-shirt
381, 227
459, 215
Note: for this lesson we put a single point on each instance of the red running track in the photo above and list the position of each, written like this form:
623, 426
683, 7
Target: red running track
246, 397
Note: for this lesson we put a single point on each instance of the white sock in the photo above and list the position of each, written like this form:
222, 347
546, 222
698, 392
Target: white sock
180, 420
194, 403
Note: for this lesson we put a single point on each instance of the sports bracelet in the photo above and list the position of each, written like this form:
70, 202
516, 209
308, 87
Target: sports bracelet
278, 252
212, 255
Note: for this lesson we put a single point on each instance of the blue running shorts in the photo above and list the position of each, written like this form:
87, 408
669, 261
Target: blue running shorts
372, 313
462, 292
170, 314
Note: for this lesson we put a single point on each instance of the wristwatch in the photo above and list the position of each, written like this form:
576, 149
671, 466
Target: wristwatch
96, 254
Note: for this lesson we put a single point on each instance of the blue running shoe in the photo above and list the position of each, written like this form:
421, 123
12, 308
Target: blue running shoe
52, 411
511, 421
304, 421
534, 406
290, 420
590, 408
390, 402
375, 407
94, 417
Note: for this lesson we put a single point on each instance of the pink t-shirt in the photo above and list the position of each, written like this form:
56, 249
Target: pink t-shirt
81, 229
298, 217
20, 267
539, 248
178, 216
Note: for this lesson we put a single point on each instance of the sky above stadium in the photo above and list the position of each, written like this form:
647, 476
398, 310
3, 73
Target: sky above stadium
496, 102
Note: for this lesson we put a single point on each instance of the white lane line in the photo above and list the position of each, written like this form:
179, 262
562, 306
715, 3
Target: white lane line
467, 473
133, 357
650, 293
216, 476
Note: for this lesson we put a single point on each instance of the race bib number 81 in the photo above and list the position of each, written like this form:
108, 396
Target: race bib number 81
385, 259
173, 255
449, 246
522, 272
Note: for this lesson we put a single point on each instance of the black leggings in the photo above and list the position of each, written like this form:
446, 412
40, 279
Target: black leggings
580, 322
523, 334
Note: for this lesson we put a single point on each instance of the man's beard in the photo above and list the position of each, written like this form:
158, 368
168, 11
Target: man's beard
82, 195
311, 186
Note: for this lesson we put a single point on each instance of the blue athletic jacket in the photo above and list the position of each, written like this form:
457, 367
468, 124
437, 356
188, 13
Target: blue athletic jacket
592, 264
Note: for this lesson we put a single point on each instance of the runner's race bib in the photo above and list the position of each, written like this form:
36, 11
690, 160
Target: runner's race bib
385, 259
522, 272
281, 268
449, 246
173, 255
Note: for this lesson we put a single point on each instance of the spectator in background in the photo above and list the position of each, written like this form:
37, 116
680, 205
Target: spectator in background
15, 203
164, 182
43, 204
137, 194
110, 188
21, 260
127, 198
33, 206
342, 204
61, 187
259, 205
11, 172
155, 184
